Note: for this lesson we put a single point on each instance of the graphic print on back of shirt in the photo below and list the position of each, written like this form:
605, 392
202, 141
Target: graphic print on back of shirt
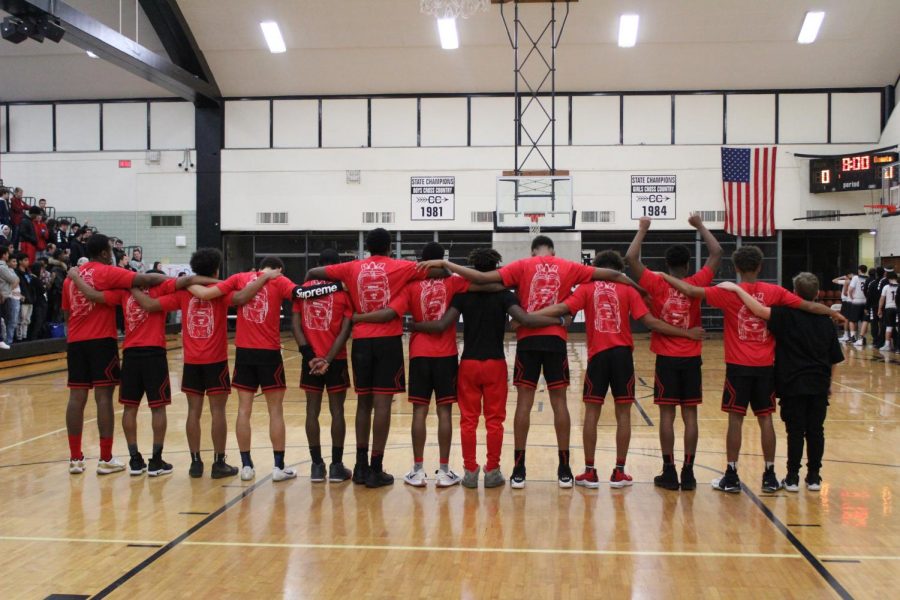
750, 327
134, 314
373, 287
545, 286
80, 304
433, 299
607, 318
257, 309
676, 310
317, 313
201, 319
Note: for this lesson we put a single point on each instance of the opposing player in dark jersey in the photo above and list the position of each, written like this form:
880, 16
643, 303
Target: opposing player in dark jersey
678, 379
541, 280
607, 308
204, 334
482, 382
321, 327
92, 354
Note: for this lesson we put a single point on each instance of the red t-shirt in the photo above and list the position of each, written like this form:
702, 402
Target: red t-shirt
142, 328
204, 326
89, 321
259, 321
747, 338
607, 306
322, 319
541, 281
372, 283
428, 300
676, 309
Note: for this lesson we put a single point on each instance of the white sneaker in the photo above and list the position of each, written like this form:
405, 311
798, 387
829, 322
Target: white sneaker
447, 478
814, 486
283, 474
247, 473
886, 348
416, 478
844, 338
859, 343
76, 467
113, 465
4, 346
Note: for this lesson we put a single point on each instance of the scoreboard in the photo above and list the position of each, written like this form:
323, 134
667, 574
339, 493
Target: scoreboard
851, 173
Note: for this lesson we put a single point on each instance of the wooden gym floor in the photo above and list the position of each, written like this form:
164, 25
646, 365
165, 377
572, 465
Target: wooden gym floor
174, 537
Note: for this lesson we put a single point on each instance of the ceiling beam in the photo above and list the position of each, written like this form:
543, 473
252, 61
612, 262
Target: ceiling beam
90, 34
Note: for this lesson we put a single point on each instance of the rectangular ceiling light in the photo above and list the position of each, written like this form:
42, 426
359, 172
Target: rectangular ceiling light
91, 54
810, 28
628, 28
449, 36
273, 37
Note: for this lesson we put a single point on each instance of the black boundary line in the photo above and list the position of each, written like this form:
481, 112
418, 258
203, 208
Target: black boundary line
794, 524
644, 414
143, 545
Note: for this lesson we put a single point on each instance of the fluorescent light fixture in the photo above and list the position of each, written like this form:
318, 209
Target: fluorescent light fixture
810, 28
91, 54
449, 37
628, 28
273, 37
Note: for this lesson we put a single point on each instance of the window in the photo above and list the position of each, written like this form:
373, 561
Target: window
165, 220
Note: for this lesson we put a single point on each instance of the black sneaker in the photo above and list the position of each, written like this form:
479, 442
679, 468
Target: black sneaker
136, 466
196, 469
813, 482
791, 482
668, 480
360, 473
770, 483
730, 482
157, 467
688, 482
317, 472
377, 479
565, 477
222, 469
338, 473
517, 481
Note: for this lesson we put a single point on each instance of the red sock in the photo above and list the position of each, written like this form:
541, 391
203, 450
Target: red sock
75, 452
445, 461
588, 464
620, 464
106, 448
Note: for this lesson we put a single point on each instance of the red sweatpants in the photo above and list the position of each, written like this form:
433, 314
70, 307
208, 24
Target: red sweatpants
481, 379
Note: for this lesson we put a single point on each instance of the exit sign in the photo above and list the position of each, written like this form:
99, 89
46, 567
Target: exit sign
124, 164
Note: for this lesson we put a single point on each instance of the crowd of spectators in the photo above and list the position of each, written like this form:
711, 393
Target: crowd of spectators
36, 253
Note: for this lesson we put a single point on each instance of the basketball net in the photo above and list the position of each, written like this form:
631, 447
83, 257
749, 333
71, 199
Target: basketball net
534, 226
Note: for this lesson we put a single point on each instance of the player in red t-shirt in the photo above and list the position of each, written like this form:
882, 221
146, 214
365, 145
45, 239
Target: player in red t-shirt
377, 350
204, 334
321, 327
541, 281
678, 375
607, 307
749, 359
92, 354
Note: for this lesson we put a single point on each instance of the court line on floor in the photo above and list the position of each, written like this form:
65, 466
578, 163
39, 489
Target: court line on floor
873, 396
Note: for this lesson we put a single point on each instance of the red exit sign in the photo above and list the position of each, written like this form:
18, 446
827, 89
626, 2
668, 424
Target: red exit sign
124, 164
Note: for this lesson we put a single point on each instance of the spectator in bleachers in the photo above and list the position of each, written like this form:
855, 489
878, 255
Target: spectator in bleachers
118, 250
4, 206
23, 270
76, 247
73, 230
28, 233
60, 236
17, 208
39, 302
42, 233
42, 204
5, 236
58, 270
9, 304
124, 263
157, 268
136, 261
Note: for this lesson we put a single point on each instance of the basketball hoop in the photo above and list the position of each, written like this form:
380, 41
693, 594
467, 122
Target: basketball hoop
534, 227
451, 9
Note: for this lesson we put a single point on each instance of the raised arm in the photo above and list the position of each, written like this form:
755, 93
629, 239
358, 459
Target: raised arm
691, 291
149, 279
537, 318
712, 244
633, 255
450, 318
755, 306
384, 315
147, 303
88, 292
470, 274
660, 326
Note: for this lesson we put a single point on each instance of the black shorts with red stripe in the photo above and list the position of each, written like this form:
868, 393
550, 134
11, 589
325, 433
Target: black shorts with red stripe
336, 378
211, 379
145, 372
541, 353
378, 365
678, 381
258, 369
752, 387
433, 375
610, 370
93, 363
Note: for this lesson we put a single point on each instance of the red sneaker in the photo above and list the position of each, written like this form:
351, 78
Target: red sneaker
588, 479
619, 479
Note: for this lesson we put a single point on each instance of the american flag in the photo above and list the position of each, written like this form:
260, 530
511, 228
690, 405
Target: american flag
748, 188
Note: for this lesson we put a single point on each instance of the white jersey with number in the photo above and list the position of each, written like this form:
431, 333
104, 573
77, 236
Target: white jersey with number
889, 293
